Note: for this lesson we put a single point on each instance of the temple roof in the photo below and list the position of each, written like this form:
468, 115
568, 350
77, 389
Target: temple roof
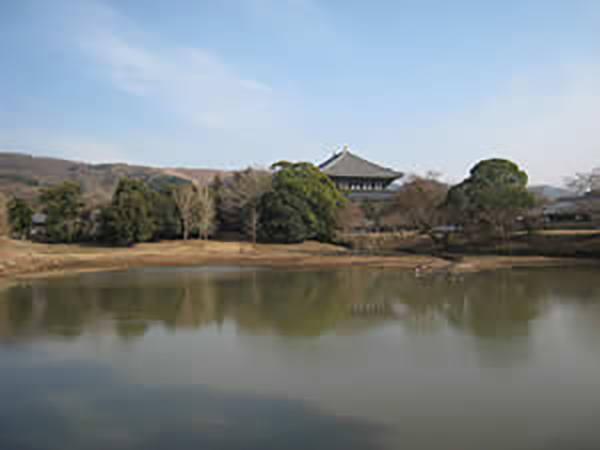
347, 164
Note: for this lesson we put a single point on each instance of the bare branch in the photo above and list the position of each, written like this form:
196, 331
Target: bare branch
206, 212
583, 183
241, 198
186, 200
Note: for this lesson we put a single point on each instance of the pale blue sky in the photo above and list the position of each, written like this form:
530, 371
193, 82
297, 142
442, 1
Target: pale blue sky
415, 85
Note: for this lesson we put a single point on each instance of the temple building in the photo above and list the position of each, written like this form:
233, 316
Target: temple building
359, 178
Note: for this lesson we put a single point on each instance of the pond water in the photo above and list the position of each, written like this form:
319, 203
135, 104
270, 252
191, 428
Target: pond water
229, 358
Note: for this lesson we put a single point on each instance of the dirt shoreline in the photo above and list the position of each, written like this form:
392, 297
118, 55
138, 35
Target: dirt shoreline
20, 259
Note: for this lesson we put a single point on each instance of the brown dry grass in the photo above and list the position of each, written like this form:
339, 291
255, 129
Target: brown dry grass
26, 259
569, 232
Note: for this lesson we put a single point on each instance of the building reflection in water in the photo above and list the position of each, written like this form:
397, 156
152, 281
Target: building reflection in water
500, 306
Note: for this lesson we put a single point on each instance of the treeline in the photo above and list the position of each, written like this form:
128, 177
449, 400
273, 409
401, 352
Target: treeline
292, 203
490, 203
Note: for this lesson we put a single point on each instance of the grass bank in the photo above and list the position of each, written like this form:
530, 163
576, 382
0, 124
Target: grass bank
26, 259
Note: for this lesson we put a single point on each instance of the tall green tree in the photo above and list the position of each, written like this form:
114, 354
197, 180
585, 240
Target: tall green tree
285, 218
63, 206
4, 225
217, 187
129, 219
19, 217
492, 197
303, 202
165, 213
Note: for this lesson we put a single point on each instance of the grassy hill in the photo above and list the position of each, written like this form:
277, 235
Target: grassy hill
24, 175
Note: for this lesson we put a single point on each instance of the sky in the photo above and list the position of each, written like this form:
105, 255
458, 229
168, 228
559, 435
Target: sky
414, 85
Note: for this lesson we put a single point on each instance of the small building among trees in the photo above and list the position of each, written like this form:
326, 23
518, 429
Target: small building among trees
39, 221
358, 178
582, 210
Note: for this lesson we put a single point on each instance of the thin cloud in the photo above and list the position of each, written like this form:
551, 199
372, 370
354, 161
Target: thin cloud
548, 125
192, 82
546, 120
217, 114
255, 86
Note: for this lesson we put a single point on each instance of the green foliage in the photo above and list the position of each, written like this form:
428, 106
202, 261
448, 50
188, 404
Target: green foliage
161, 182
19, 217
63, 205
285, 218
129, 219
4, 226
303, 203
165, 214
17, 178
493, 195
217, 188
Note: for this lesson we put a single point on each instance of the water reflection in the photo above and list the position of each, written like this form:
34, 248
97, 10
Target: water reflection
74, 407
227, 358
492, 306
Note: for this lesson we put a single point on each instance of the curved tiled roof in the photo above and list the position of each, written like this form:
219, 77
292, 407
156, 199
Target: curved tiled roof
346, 164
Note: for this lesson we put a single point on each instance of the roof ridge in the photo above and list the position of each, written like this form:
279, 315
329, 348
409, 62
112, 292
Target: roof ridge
346, 163
331, 160
367, 161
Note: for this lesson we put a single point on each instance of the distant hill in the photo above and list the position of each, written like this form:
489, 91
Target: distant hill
24, 175
550, 192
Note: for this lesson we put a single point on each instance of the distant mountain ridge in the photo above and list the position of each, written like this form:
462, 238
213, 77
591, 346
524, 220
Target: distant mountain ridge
24, 175
551, 192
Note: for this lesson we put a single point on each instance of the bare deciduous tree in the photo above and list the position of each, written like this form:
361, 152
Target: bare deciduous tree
241, 198
583, 183
351, 216
186, 199
419, 202
205, 212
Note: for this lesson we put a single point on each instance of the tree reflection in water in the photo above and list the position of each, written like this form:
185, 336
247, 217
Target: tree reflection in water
499, 306
218, 358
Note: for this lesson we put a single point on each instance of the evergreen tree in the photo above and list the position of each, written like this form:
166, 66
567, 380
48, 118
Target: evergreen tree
19, 218
4, 224
285, 218
492, 197
165, 214
129, 219
304, 202
63, 206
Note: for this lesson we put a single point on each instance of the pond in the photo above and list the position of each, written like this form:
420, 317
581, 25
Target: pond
232, 358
